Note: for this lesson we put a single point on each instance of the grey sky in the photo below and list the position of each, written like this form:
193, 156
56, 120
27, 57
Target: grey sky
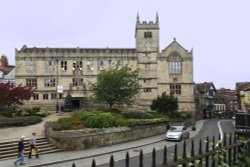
217, 30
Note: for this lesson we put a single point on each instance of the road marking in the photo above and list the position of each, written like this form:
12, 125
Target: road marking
220, 130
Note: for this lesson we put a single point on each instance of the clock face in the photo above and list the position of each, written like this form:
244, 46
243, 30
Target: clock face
147, 44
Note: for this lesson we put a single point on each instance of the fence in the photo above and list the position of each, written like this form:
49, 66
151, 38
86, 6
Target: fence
207, 155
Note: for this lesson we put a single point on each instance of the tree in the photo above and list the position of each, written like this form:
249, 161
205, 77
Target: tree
246, 102
165, 104
14, 96
116, 86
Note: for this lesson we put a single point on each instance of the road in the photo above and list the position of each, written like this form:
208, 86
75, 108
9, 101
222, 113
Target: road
210, 128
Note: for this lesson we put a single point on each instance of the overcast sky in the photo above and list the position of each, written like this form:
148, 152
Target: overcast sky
217, 30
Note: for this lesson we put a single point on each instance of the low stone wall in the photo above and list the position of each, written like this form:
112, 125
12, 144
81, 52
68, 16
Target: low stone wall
93, 138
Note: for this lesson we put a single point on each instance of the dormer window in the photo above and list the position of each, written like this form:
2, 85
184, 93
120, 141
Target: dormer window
148, 34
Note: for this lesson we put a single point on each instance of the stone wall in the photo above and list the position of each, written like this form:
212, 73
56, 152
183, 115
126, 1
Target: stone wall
93, 138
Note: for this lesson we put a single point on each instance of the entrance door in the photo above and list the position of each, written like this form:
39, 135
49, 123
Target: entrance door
75, 104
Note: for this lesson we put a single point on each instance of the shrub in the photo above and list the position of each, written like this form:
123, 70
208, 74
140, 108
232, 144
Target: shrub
24, 113
102, 120
76, 122
185, 115
28, 112
87, 114
62, 124
133, 122
42, 113
19, 121
165, 104
111, 110
137, 115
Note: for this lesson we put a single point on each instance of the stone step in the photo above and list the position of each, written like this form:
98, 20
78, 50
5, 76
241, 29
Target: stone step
15, 144
26, 147
9, 149
25, 141
14, 155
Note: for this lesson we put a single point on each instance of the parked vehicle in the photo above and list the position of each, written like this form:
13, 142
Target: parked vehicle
177, 133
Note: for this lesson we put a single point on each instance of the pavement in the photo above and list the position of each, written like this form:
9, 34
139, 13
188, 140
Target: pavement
14, 133
84, 158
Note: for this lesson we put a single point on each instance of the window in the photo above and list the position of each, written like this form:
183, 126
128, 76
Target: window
49, 82
49, 66
31, 82
175, 89
77, 81
101, 65
119, 64
53, 95
147, 81
60, 96
148, 34
211, 92
36, 97
174, 64
146, 90
45, 96
30, 65
90, 66
64, 65
77, 65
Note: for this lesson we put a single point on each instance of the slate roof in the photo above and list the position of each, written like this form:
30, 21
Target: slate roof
6, 69
204, 87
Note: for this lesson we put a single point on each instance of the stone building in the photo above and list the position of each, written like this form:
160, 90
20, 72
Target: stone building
58, 72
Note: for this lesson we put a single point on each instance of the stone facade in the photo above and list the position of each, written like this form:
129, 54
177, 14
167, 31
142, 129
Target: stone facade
72, 69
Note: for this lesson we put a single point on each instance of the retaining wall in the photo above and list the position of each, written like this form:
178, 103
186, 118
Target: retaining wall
93, 138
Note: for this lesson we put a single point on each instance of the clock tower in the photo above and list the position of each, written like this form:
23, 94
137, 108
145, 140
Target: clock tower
147, 35
147, 48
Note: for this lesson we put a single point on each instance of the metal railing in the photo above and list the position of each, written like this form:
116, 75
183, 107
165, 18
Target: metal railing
207, 154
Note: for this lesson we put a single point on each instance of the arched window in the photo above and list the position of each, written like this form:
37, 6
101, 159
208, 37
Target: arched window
174, 63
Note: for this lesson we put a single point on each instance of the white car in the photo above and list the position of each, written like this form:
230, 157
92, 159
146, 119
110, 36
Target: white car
177, 133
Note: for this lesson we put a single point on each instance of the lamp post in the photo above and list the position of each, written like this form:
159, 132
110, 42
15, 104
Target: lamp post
57, 98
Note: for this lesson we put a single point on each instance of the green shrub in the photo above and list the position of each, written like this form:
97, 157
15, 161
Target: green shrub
105, 119
19, 121
137, 115
102, 120
133, 122
24, 113
63, 124
111, 110
87, 114
42, 113
185, 115
28, 112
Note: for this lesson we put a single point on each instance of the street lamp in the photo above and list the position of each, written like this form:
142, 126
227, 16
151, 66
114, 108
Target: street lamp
57, 98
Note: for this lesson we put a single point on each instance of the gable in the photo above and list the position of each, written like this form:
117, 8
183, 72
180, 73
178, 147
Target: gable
175, 47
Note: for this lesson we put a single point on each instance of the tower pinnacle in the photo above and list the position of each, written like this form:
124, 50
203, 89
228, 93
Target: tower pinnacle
157, 18
137, 18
